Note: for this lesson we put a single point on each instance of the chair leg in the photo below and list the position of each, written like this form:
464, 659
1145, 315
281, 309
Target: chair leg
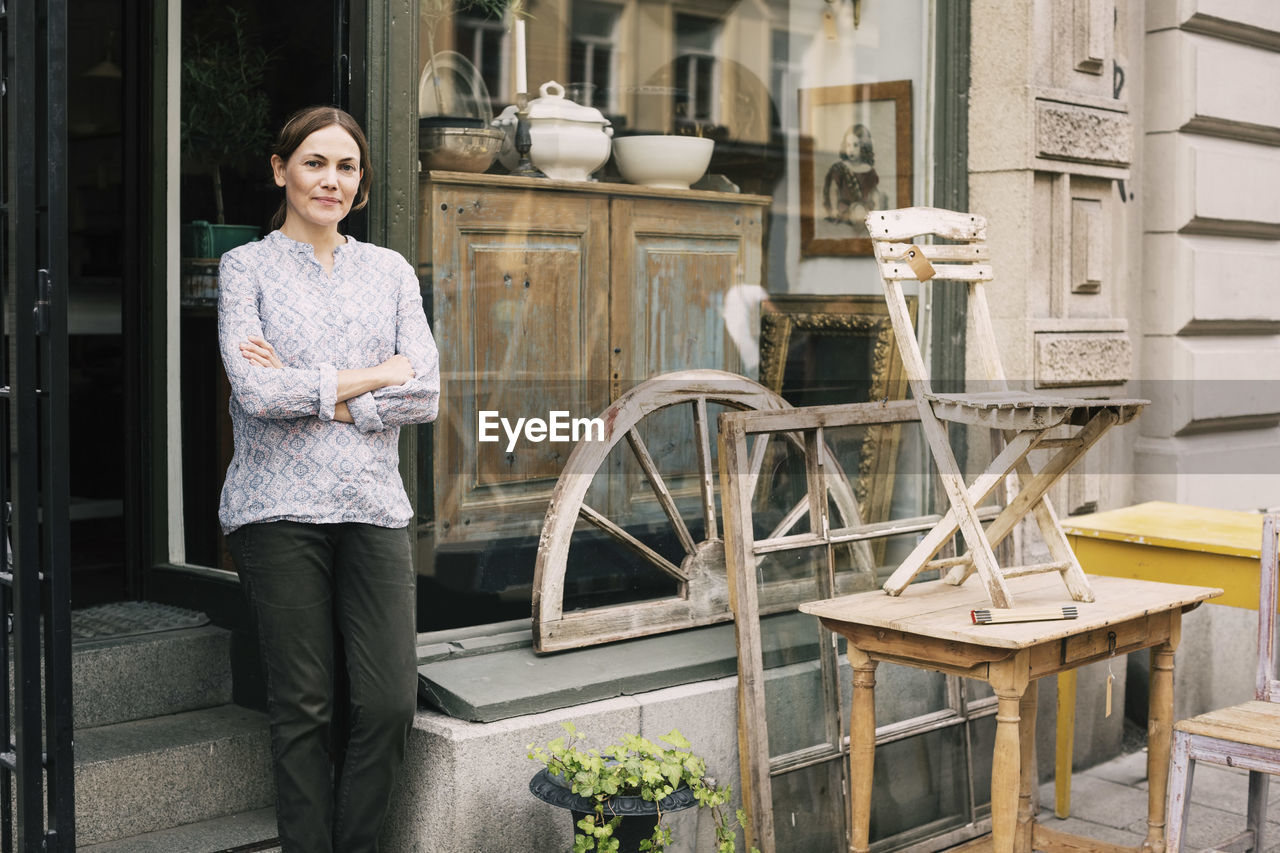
1059, 548
1031, 489
1182, 769
1006, 459
1258, 784
966, 514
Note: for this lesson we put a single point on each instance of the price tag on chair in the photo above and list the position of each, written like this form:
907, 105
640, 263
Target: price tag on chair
919, 263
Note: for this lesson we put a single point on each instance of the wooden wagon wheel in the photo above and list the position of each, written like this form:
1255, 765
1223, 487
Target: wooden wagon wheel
702, 597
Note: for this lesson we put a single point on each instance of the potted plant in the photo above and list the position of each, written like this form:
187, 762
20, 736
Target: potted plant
224, 119
632, 779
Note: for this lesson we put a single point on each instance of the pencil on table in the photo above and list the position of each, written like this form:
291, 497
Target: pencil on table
1024, 614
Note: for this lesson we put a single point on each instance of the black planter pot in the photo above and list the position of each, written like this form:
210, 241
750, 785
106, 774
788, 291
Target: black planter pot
638, 816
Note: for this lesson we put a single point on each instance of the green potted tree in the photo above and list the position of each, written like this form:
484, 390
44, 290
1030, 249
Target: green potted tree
620, 795
225, 115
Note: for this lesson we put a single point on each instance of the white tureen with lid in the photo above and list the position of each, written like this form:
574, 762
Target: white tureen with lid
568, 141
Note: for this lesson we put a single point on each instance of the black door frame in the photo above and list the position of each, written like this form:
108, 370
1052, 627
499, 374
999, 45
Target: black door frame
36, 767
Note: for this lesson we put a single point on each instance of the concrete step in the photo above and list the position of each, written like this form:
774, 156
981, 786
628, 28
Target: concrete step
255, 830
148, 775
148, 675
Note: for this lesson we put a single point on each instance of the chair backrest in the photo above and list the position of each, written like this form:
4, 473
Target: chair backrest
965, 258
1268, 686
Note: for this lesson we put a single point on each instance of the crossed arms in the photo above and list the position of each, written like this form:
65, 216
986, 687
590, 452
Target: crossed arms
402, 389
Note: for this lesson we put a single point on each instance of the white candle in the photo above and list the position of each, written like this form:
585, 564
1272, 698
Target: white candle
522, 77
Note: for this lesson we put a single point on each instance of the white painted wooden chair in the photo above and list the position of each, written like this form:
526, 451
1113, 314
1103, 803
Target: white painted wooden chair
1246, 735
1025, 419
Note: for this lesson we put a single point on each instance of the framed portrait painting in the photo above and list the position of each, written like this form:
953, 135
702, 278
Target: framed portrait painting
855, 156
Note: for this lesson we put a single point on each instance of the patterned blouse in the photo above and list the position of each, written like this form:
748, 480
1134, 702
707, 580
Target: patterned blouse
292, 461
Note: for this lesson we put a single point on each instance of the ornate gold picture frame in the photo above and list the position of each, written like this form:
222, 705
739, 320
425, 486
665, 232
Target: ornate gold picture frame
820, 349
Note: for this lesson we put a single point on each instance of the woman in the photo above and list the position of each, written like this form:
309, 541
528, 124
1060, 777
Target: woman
328, 353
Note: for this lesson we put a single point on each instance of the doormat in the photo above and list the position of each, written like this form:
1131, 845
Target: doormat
126, 618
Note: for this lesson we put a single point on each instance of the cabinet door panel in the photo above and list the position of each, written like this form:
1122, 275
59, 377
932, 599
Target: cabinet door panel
520, 302
676, 265
682, 272
529, 350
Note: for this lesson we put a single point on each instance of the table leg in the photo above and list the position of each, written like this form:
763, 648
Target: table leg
1065, 744
1027, 762
1159, 735
1009, 680
862, 750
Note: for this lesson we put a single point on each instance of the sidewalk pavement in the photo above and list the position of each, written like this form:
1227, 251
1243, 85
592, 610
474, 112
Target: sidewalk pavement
1109, 803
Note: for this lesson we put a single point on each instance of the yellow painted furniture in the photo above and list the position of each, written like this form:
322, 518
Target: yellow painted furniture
1160, 541
1173, 543
929, 627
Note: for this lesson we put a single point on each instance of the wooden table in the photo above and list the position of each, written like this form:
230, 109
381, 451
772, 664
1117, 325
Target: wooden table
1159, 541
929, 627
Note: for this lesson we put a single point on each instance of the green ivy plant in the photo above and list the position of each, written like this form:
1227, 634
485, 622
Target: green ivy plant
634, 766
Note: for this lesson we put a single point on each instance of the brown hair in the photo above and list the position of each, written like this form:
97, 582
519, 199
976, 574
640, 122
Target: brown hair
307, 121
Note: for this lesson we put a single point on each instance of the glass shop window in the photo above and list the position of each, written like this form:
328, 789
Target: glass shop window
245, 67
716, 239
564, 291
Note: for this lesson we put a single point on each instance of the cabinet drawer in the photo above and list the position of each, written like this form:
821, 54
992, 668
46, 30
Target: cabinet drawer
1128, 636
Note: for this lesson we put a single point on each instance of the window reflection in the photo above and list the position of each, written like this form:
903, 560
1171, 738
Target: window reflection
482, 40
593, 55
781, 79
696, 71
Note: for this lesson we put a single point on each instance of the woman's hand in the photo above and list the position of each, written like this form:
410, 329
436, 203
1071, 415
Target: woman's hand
396, 370
261, 353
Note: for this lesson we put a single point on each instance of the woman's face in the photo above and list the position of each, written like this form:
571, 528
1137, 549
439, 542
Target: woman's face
321, 178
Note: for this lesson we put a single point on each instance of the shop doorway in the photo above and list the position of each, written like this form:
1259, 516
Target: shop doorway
107, 190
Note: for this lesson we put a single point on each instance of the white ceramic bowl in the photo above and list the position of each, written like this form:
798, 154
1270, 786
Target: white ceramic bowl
667, 162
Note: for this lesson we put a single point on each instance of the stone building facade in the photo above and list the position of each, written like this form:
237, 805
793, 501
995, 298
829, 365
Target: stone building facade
1127, 157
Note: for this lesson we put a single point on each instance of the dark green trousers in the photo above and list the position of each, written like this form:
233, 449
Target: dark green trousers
320, 593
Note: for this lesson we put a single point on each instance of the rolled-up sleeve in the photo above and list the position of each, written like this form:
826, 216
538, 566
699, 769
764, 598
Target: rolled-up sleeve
264, 392
418, 400
364, 413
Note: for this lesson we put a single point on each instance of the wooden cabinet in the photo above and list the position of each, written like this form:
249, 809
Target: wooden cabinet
558, 296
